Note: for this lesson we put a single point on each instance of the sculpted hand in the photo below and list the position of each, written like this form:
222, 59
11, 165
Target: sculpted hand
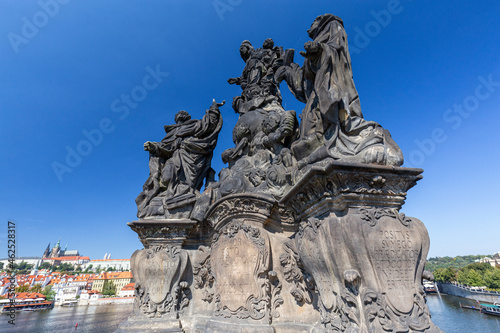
226, 155
266, 142
312, 49
234, 80
149, 146
281, 73
375, 155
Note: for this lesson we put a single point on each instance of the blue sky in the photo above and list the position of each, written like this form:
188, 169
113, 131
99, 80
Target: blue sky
428, 71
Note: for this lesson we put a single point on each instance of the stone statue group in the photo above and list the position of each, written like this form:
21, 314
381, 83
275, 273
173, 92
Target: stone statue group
270, 146
302, 231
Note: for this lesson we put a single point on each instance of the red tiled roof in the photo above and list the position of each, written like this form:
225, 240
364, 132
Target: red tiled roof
115, 275
4, 281
54, 281
81, 278
29, 295
70, 258
129, 286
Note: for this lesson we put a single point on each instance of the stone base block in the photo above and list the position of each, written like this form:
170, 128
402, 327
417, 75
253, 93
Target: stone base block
228, 327
296, 328
150, 325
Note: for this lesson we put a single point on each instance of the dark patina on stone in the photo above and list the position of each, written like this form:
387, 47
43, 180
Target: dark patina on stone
303, 231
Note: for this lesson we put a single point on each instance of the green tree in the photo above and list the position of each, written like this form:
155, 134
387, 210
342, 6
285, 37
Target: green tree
462, 277
22, 266
474, 278
439, 274
22, 289
1, 265
37, 288
48, 293
445, 274
492, 279
65, 267
481, 268
109, 288
444, 262
45, 265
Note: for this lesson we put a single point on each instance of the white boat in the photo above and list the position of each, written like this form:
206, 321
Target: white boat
491, 309
69, 302
430, 287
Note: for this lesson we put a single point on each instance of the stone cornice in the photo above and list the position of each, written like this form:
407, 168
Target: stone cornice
335, 186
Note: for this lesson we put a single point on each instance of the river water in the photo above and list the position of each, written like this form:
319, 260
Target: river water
95, 319
445, 310
448, 316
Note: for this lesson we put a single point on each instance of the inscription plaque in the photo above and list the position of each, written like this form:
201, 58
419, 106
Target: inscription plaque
234, 261
161, 270
395, 254
158, 272
240, 264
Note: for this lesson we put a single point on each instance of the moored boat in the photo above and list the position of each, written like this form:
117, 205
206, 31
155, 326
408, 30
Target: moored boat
491, 309
33, 306
72, 302
469, 307
430, 287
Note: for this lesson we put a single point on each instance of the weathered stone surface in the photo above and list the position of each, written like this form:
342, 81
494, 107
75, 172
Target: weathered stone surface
159, 273
261, 159
303, 231
334, 186
245, 289
179, 164
332, 122
377, 263
152, 325
162, 231
234, 258
240, 263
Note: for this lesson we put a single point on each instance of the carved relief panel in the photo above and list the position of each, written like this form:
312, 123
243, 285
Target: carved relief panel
240, 261
367, 268
159, 286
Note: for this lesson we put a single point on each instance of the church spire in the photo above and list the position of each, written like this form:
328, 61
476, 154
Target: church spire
46, 252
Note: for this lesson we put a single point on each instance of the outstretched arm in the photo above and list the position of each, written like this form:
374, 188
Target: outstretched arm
293, 75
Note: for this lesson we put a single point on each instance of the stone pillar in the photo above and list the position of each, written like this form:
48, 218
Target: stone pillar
365, 258
244, 289
162, 275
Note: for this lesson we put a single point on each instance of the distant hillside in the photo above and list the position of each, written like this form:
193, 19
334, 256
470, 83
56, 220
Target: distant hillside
455, 262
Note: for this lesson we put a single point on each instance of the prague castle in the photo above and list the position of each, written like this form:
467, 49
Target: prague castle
56, 251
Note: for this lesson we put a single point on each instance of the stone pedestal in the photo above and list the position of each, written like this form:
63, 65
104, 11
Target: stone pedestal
366, 259
162, 276
245, 289
333, 255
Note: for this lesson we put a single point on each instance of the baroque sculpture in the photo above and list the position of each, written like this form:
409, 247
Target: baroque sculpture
180, 162
303, 231
332, 122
